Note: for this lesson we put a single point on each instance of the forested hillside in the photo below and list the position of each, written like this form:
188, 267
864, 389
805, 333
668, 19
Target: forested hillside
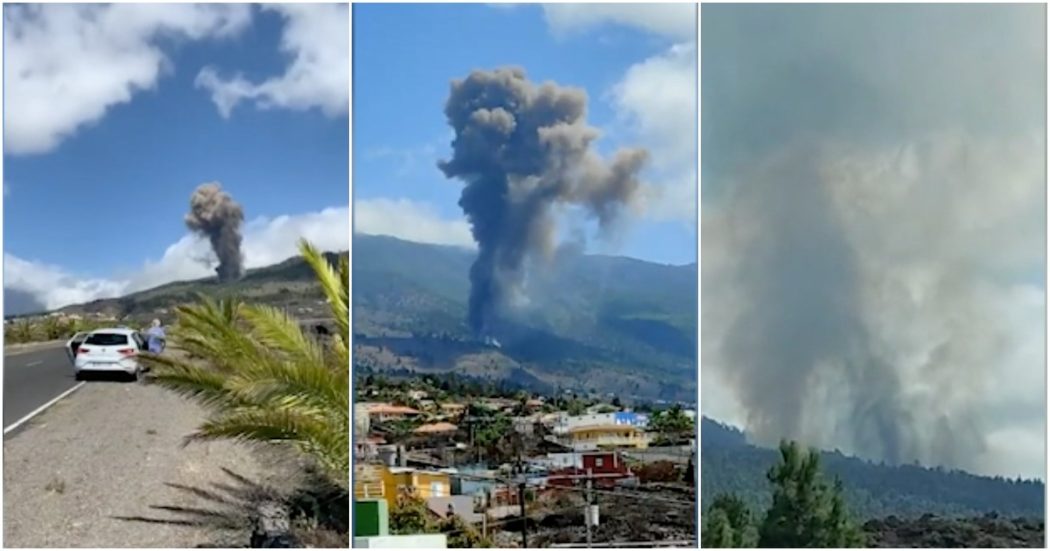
730, 465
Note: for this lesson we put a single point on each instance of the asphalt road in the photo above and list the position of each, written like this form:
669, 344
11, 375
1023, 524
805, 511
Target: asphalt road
32, 379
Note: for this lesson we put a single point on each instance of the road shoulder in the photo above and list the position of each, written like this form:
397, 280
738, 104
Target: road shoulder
107, 466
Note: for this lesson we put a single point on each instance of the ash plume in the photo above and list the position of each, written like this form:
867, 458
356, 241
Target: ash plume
845, 316
522, 150
874, 231
215, 215
800, 323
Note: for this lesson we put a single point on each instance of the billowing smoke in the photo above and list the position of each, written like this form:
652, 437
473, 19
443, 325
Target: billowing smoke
215, 215
523, 150
873, 231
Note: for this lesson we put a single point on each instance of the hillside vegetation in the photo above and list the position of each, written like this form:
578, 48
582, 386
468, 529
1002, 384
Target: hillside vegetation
729, 464
289, 285
592, 323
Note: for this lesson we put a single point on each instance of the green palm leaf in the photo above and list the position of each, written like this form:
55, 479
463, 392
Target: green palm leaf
262, 378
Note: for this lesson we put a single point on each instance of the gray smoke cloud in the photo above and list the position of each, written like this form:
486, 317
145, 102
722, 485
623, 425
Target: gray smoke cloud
522, 150
215, 215
800, 338
872, 230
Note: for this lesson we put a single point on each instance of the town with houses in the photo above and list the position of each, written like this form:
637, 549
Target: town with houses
458, 463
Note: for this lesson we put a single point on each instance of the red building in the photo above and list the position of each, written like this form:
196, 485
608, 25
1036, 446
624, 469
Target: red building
605, 468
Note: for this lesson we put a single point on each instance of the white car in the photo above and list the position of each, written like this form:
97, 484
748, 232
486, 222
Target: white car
106, 350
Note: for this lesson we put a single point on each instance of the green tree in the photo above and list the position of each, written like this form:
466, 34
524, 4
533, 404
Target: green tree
262, 377
410, 516
672, 423
461, 535
54, 328
488, 431
806, 511
402, 428
521, 408
19, 331
576, 407
728, 523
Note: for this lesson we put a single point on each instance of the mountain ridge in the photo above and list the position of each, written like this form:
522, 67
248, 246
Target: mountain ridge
284, 283
590, 323
729, 463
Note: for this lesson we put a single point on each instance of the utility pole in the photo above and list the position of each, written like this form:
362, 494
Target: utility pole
473, 443
587, 509
524, 518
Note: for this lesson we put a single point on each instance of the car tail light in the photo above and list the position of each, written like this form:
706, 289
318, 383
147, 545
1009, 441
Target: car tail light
126, 351
81, 350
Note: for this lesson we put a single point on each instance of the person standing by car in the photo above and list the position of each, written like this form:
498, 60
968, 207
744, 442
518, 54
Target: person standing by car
156, 337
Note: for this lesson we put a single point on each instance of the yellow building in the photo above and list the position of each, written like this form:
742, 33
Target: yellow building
594, 437
368, 481
375, 481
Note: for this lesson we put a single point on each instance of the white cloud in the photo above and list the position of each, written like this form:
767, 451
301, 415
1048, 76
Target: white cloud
677, 21
317, 37
266, 241
656, 100
659, 95
65, 65
409, 220
271, 240
53, 286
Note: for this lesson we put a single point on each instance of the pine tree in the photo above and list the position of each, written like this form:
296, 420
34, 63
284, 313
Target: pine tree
728, 523
806, 511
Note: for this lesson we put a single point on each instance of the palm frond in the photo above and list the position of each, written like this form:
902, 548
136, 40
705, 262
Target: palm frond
308, 384
311, 433
206, 386
277, 330
262, 378
336, 286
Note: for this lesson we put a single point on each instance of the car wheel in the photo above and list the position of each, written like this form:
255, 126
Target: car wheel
79, 376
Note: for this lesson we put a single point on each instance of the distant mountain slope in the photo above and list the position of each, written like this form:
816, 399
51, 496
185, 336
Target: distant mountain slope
289, 284
602, 323
17, 303
729, 464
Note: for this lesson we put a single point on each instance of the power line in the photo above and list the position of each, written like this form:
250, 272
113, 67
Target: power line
619, 493
509, 520
629, 544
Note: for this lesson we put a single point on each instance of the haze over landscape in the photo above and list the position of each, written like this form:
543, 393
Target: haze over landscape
873, 193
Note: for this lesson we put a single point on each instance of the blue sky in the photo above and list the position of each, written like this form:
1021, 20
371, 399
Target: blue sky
135, 135
405, 56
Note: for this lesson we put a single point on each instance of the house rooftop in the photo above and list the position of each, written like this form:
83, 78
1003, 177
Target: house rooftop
389, 409
606, 427
435, 428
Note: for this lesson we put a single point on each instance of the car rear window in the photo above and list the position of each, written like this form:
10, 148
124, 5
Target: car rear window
107, 339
